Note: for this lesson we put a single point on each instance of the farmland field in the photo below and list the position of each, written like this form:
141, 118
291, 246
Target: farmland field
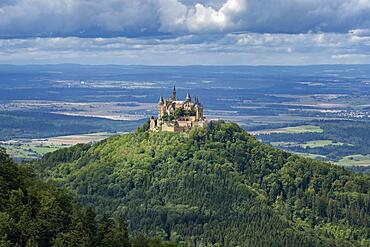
321, 111
320, 143
356, 160
291, 130
27, 149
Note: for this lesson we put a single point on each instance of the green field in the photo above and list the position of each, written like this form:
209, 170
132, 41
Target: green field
309, 144
29, 151
36, 148
300, 129
312, 156
307, 128
320, 143
284, 144
355, 160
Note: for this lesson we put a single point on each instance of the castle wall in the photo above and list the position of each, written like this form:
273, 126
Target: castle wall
185, 124
171, 128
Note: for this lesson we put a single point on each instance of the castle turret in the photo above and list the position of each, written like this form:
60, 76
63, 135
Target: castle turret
188, 97
161, 107
152, 123
198, 112
174, 93
197, 102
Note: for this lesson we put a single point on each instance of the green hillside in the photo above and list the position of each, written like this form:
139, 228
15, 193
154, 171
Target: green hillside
216, 186
33, 213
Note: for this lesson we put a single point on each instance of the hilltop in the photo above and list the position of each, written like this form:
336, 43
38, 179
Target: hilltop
218, 186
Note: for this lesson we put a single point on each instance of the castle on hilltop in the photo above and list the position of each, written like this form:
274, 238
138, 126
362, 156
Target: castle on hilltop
178, 116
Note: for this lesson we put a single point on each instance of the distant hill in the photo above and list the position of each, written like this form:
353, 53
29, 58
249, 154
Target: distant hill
216, 186
23, 124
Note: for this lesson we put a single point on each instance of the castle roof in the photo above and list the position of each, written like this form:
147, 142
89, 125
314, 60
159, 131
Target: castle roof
188, 97
171, 100
197, 101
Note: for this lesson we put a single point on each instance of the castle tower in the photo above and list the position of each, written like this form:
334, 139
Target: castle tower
153, 123
161, 107
174, 93
188, 97
198, 113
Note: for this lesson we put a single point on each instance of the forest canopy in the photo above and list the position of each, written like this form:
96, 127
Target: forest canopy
34, 213
216, 185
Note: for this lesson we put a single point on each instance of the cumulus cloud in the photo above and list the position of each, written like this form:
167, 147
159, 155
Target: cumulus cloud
361, 32
240, 48
137, 18
175, 16
185, 31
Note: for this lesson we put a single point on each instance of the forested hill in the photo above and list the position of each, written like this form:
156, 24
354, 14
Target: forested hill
216, 186
36, 214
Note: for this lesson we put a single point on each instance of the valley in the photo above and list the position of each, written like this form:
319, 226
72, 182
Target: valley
28, 149
282, 105
184, 123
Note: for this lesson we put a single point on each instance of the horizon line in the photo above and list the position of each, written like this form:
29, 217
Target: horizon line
186, 65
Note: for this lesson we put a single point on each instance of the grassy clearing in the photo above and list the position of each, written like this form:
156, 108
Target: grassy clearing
320, 143
309, 144
74, 139
355, 160
300, 129
36, 148
312, 156
285, 144
291, 130
28, 151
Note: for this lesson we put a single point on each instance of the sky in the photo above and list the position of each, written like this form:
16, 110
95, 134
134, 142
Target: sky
185, 32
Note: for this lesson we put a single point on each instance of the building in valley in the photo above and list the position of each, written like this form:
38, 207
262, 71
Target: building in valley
176, 115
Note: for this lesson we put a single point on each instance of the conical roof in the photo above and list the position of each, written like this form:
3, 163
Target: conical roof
198, 102
188, 97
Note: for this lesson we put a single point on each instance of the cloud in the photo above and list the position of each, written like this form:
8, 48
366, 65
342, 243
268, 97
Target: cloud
361, 32
82, 18
151, 18
240, 48
185, 31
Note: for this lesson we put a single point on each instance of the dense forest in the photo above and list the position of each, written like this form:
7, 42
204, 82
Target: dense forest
34, 213
215, 186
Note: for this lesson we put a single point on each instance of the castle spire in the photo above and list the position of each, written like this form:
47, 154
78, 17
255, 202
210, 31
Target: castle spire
188, 97
174, 93
161, 101
198, 102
